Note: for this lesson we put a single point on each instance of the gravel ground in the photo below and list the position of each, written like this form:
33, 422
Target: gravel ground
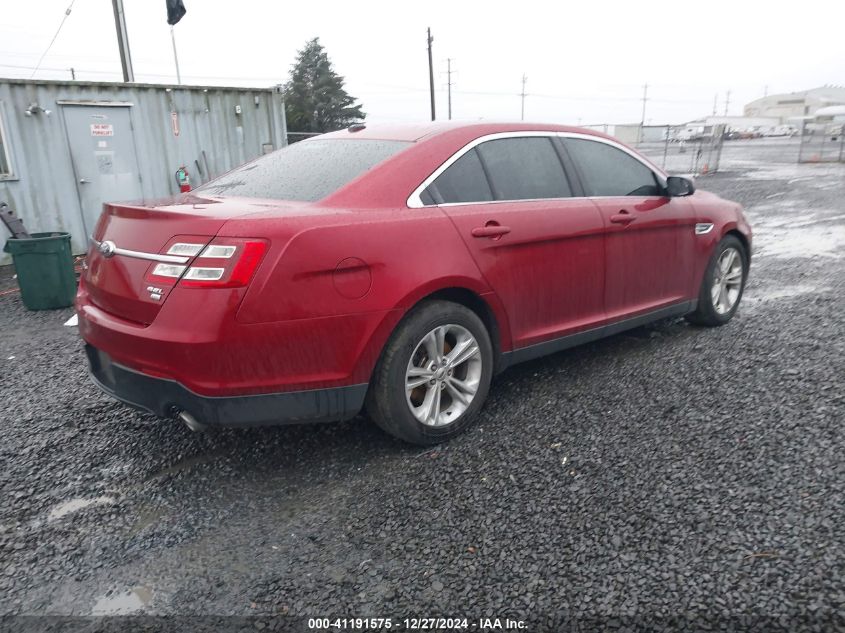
668, 472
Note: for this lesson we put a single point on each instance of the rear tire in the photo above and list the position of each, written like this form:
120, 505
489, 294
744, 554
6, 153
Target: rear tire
433, 375
723, 284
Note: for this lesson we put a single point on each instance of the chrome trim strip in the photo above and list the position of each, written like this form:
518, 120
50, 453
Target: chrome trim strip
702, 228
152, 257
414, 201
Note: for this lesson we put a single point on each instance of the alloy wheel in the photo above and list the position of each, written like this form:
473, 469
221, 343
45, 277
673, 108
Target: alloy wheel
727, 280
443, 375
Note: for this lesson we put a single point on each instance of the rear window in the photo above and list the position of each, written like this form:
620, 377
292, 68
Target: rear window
305, 171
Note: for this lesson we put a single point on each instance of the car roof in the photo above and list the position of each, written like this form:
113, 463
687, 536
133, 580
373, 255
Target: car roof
413, 132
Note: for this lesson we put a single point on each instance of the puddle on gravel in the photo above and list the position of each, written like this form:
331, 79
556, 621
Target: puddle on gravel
74, 505
795, 172
786, 292
801, 242
122, 602
147, 516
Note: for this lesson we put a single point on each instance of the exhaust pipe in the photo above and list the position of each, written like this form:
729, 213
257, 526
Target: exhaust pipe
191, 422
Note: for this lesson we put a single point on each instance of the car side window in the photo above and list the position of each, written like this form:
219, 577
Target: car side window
524, 168
463, 181
608, 171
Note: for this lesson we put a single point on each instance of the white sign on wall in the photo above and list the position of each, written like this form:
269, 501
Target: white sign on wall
102, 129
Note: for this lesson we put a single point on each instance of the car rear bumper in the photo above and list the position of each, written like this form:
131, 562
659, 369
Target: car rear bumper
167, 398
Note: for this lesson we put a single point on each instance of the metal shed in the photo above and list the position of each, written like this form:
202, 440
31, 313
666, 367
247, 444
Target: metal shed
67, 147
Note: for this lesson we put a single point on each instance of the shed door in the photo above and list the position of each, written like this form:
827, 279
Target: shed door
102, 147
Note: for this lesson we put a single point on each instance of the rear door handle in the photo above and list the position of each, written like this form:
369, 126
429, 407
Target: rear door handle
491, 230
623, 217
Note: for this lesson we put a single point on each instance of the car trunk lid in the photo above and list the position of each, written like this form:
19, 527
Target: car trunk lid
131, 239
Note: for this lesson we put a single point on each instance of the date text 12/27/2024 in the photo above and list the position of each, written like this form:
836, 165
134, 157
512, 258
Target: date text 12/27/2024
415, 624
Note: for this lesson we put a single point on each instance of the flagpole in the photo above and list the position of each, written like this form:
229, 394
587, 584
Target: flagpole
175, 57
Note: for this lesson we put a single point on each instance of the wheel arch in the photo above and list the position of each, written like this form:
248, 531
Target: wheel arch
482, 309
743, 239
466, 292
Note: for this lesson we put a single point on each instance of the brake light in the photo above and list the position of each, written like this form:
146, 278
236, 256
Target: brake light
183, 248
225, 263
169, 272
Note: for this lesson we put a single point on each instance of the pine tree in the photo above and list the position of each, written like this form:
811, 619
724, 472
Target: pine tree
315, 100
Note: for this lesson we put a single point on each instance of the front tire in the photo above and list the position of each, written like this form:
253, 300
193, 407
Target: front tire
723, 284
433, 375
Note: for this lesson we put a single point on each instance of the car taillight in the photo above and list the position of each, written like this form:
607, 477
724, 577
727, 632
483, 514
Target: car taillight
224, 263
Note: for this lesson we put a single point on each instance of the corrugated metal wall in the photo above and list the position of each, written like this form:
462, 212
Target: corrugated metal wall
213, 138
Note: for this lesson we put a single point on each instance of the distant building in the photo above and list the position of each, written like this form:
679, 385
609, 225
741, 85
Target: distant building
830, 114
794, 106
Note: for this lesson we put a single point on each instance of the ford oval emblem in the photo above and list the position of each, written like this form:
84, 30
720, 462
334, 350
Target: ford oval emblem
107, 249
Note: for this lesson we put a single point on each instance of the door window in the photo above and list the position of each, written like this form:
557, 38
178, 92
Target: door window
608, 171
524, 168
463, 181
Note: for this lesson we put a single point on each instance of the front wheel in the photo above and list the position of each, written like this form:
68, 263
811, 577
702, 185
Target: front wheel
723, 284
434, 374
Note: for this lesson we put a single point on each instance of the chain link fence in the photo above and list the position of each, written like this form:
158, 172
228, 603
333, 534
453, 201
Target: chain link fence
822, 142
676, 149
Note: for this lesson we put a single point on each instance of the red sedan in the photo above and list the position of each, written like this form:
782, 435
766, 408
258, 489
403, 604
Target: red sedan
396, 269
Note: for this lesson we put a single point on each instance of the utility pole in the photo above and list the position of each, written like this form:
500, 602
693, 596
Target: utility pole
727, 101
430, 39
72, 74
522, 94
123, 41
449, 83
175, 57
642, 119
715, 103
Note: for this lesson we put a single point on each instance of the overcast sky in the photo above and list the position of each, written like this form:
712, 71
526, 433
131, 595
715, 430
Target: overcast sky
586, 61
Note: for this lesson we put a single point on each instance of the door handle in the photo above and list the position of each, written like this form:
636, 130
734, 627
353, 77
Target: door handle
623, 217
490, 230
83, 181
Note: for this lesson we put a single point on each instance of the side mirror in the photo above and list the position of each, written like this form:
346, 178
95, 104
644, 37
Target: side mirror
678, 186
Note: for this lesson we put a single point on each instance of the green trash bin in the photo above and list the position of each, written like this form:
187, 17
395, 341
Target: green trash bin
44, 265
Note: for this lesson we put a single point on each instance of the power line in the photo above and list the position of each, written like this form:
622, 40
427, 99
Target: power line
522, 94
117, 72
399, 88
50, 45
642, 120
429, 40
123, 41
449, 83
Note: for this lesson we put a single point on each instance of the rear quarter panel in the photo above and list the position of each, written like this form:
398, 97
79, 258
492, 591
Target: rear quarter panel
378, 262
351, 262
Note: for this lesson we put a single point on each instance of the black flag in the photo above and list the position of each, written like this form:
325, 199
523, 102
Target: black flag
175, 11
